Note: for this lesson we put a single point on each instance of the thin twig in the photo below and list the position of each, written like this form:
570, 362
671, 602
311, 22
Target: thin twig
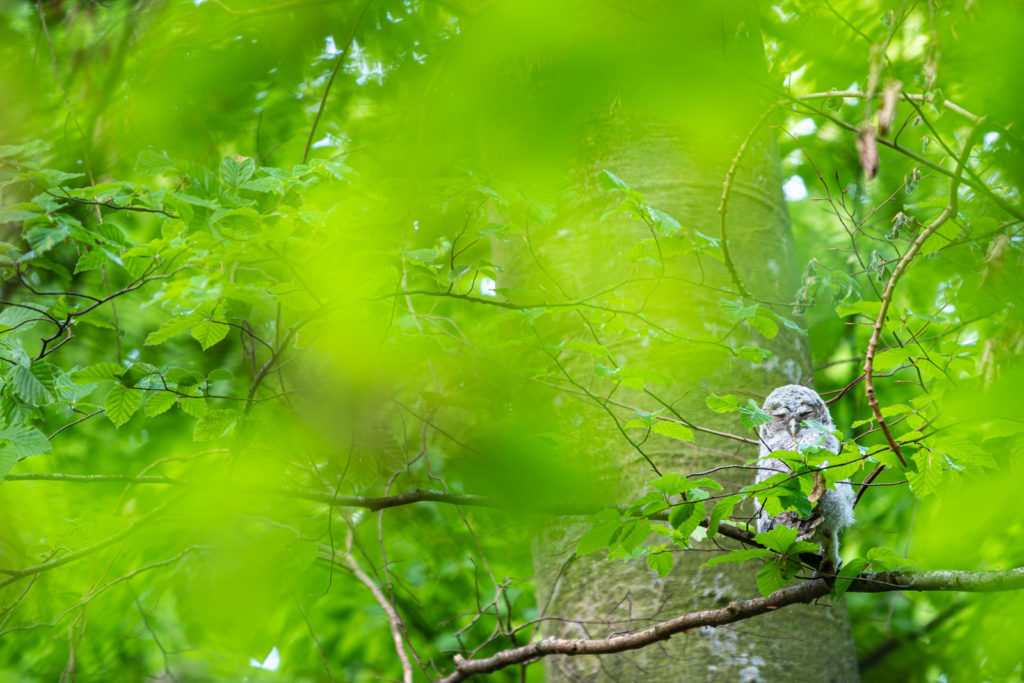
890, 287
723, 203
385, 604
330, 81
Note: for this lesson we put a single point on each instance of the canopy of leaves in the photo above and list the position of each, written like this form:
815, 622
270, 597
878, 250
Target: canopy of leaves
261, 261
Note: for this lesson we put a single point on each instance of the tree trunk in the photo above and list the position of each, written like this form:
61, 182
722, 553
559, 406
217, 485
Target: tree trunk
662, 96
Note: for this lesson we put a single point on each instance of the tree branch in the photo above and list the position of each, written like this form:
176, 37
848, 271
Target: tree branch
14, 574
330, 81
723, 203
890, 287
375, 503
395, 622
1012, 579
909, 97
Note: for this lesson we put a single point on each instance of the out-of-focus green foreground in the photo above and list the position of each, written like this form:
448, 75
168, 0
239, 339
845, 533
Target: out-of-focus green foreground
265, 265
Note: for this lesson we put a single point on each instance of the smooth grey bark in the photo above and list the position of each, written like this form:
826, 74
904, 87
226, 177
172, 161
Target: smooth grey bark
665, 105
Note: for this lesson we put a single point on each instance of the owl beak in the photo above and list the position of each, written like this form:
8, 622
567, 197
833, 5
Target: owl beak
792, 426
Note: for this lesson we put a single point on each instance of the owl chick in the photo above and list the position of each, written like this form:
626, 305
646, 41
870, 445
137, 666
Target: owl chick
789, 407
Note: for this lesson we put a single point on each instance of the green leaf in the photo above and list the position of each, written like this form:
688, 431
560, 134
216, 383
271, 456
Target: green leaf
634, 532
710, 483
816, 426
802, 547
172, 327
196, 201
427, 256
263, 185
735, 310
606, 524
610, 181
121, 403
648, 375
589, 347
673, 430
18, 215
361, 468
722, 404
208, 332
599, 536
870, 309
755, 354
160, 402
214, 425
660, 560
685, 518
779, 539
771, 578
895, 409
28, 387
766, 326
102, 372
846, 575
151, 162
110, 232
17, 316
8, 458
752, 416
233, 173
928, 475
672, 484
25, 441
220, 374
194, 406
665, 224
890, 359
43, 239
60, 308
738, 556
646, 499
182, 378
137, 372
722, 510
883, 558
789, 324
90, 260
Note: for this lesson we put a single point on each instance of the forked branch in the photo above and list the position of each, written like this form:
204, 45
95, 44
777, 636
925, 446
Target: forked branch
890, 287
1012, 579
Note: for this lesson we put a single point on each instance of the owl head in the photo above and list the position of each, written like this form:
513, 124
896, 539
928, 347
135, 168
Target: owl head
792, 404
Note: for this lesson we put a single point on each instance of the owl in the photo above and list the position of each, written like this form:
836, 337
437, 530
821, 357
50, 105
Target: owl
789, 407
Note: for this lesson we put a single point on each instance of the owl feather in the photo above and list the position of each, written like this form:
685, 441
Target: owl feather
794, 410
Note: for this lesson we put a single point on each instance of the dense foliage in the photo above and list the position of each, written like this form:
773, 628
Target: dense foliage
265, 263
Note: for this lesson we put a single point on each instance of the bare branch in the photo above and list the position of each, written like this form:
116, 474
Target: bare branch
330, 81
14, 574
1012, 579
373, 503
723, 203
890, 287
394, 620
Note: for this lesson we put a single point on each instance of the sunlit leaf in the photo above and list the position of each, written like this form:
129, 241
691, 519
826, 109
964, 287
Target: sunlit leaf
121, 403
